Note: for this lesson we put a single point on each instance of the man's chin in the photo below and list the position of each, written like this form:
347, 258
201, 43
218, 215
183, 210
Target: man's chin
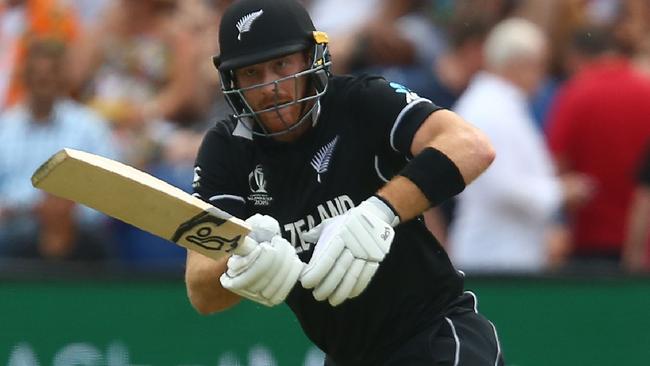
276, 124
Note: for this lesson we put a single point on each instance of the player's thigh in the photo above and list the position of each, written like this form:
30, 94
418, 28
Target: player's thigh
466, 339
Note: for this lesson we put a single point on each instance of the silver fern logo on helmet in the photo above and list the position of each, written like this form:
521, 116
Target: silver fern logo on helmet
244, 24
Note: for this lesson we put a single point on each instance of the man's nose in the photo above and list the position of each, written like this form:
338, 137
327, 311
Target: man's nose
270, 87
270, 81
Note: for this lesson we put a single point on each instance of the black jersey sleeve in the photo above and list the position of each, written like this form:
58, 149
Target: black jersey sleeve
390, 113
216, 177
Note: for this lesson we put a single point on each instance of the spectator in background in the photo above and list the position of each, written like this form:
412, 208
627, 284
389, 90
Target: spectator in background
501, 220
202, 19
393, 38
560, 20
21, 21
453, 69
578, 29
141, 66
33, 224
632, 25
137, 66
636, 250
586, 44
599, 127
582, 46
634, 30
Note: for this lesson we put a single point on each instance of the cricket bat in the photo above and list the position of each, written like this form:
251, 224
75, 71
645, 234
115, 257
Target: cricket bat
139, 199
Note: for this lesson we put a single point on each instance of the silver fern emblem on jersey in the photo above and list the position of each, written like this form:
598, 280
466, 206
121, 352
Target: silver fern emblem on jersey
244, 24
321, 160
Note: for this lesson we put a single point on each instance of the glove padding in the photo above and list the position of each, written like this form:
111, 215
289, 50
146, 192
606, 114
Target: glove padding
268, 273
348, 251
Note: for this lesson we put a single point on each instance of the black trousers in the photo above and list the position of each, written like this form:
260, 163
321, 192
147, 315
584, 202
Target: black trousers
464, 337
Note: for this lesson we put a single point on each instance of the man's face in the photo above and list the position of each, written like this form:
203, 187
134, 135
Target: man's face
528, 71
536, 70
43, 78
275, 94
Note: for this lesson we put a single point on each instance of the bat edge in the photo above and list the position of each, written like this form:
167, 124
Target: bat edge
46, 168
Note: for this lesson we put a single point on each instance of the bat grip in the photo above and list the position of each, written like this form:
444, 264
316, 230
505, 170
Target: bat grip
246, 246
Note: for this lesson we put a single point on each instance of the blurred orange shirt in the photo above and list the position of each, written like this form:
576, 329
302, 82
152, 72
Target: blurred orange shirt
44, 19
599, 126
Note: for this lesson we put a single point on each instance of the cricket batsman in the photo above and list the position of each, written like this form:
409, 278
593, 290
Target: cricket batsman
333, 174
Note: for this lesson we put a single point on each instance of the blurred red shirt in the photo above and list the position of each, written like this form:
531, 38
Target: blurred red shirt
599, 125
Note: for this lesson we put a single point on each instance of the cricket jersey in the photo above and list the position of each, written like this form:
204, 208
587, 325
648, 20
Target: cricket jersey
361, 139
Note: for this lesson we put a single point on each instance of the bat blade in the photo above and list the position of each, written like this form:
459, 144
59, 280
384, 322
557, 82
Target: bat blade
139, 199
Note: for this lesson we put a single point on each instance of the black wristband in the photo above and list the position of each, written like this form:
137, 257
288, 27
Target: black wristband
435, 175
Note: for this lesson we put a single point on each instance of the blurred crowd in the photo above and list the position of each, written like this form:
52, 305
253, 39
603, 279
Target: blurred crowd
561, 87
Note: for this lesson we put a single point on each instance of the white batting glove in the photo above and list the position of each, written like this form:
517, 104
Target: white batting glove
349, 249
268, 273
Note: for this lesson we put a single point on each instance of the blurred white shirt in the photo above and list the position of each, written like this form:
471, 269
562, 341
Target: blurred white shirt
337, 17
24, 145
502, 217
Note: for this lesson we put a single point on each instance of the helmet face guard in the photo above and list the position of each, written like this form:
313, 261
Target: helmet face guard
316, 75
256, 31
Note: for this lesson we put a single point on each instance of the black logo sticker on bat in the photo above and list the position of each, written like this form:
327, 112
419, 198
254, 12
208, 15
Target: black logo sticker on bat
201, 229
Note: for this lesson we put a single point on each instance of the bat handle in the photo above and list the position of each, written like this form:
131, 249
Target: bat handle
246, 246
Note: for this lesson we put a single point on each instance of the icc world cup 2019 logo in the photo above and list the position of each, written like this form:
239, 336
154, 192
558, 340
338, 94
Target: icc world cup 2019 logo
257, 182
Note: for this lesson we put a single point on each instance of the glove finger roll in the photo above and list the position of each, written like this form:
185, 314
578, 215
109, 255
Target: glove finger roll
344, 289
280, 268
334, 277
319, 266
254, 296
292, 277
257, 270
238, 264
365, 276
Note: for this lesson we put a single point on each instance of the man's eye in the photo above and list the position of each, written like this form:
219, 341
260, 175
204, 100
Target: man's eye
250, 72
282, 63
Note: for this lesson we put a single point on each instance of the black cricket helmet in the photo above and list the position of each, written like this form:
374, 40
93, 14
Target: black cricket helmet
255, 31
